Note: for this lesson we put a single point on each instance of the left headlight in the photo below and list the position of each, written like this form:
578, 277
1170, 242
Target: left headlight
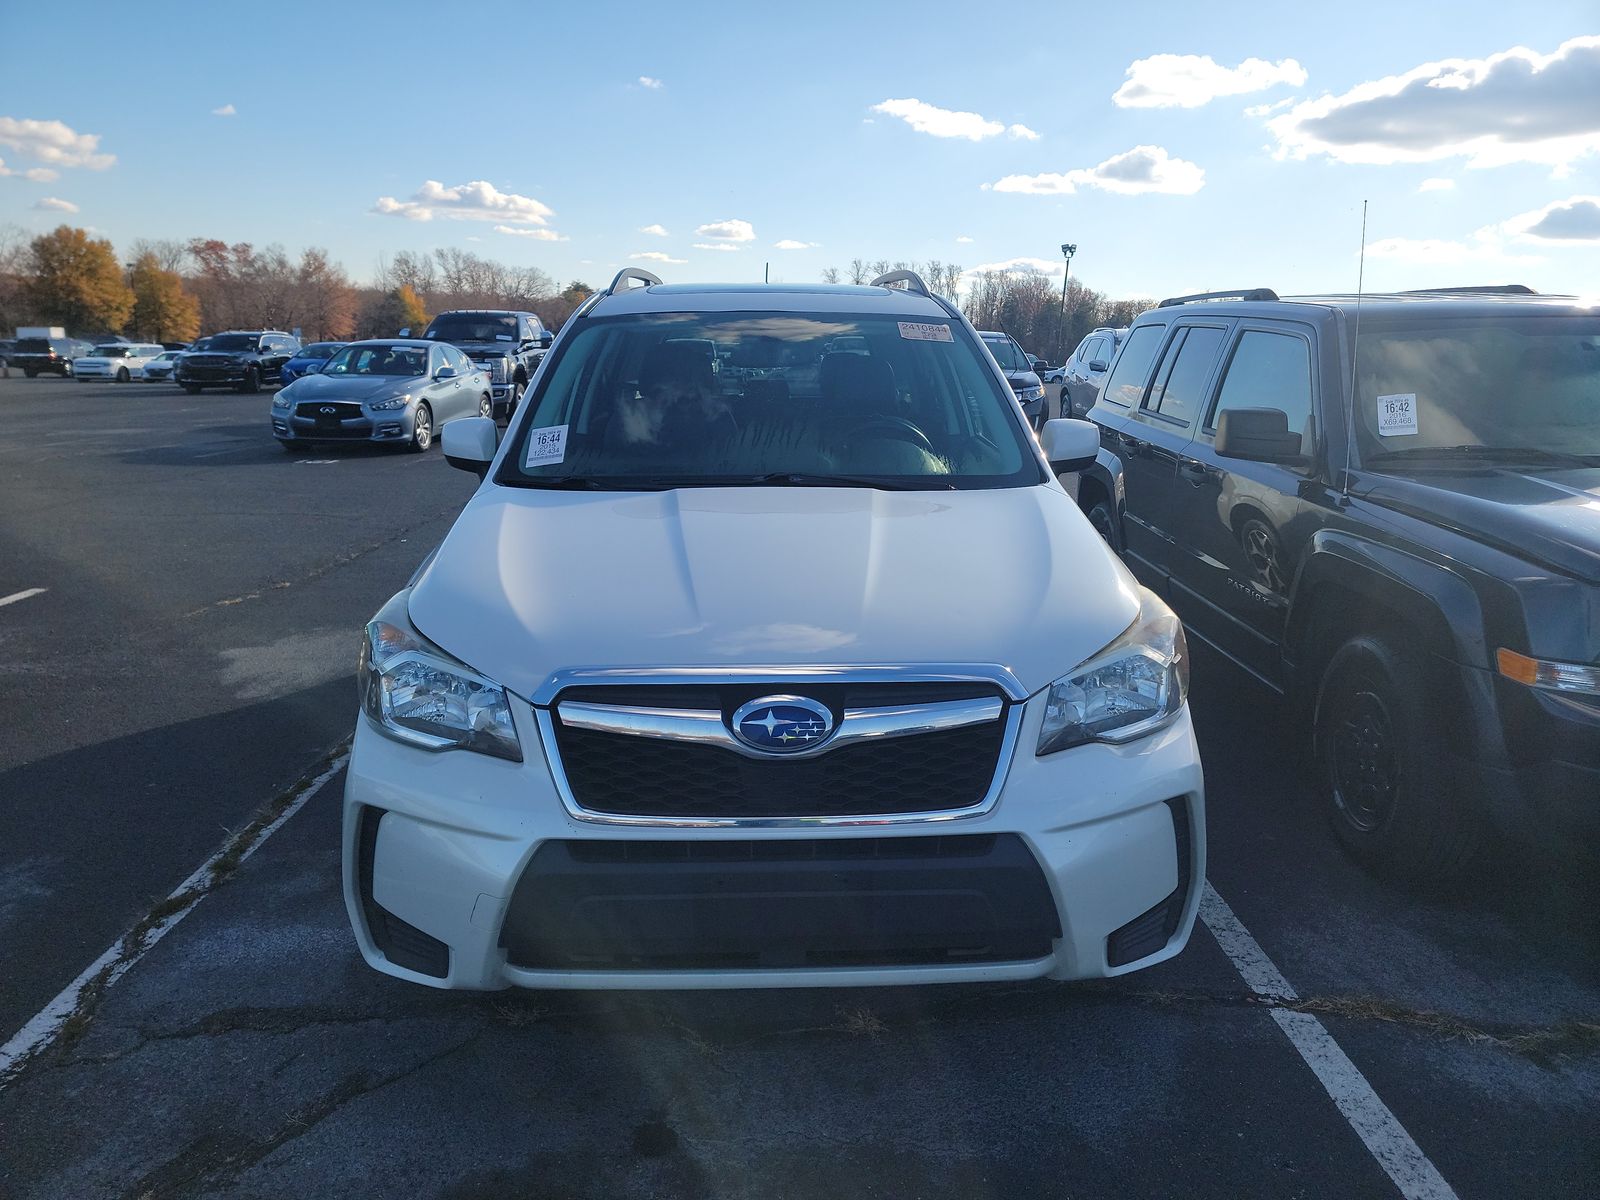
1133, 687
1029, 394
391, 402
418, 694
281, 398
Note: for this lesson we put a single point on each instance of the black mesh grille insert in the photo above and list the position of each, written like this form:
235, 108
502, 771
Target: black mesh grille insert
399, 941
1153, 929
636, 776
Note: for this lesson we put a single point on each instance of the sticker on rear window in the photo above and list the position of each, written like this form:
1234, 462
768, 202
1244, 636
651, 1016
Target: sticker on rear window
1397, 414
917, 331
546, 446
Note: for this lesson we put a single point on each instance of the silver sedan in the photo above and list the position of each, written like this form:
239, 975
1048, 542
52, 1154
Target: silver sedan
397, 391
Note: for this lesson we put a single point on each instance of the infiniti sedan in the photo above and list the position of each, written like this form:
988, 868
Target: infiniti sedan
395, 391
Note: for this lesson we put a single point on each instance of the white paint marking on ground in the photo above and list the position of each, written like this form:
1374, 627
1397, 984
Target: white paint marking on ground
43, 1028
22, 595
314, 462
1379, 1130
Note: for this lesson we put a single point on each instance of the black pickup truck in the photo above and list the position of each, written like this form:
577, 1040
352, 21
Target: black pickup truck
1389, 511
507, 345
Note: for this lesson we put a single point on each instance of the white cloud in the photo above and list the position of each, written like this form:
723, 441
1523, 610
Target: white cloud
728, 231
1263, 110
1436, 185
1142, 169
475, 201
655, 230
1190, 80
1024, 265
54, 142
646, 81
947, 123
227, 110
964, 240
791, 244
1516, 106
36, 174
1575, 219
54, 204
1486, 248
657, 256
717, 246
537, 234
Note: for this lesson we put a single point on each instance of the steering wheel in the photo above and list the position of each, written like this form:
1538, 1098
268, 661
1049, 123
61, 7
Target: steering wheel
895, 427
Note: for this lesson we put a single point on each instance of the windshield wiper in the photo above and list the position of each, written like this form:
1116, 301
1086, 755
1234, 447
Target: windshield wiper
883, 483
1487, 454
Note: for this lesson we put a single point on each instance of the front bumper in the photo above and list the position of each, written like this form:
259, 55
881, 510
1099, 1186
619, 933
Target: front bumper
1089, 864
385, 427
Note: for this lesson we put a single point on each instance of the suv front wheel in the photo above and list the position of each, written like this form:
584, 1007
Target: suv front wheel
1379, 753
251, 381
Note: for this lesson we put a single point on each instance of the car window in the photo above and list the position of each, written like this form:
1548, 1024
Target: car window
1096, 348
1269, 370
1125, 385
1185, 370
378, 360
635, 401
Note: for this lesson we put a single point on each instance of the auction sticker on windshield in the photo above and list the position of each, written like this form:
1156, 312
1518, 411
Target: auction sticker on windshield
1397, 415
546, 446
917, 331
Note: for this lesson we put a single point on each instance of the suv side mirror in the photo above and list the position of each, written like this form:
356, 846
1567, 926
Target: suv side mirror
1097, 365
1039, 366
445, 373
1069, 444
469, 443
1258, 435
545, 338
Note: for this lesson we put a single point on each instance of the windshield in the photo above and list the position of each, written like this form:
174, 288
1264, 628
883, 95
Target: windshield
473, 327
1507, 384
1006, 354
319, 350
112, 351
703, 399
232, 341
378, 360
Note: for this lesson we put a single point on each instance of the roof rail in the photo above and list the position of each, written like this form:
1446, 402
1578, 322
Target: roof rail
628, 273
1236, 294
1488, 289
911, 279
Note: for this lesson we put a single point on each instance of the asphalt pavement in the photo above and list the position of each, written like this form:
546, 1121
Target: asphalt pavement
190, 659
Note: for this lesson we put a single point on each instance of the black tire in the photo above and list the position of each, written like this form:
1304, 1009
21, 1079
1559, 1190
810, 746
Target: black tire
193, 389
421, 430
1104, 519
518, 386
1066, 403
486, 406
294, 446
251, 382
1378, 754
122, 375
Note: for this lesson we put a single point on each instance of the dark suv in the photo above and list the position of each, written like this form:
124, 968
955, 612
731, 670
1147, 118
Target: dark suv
1020, 374
1390, 513
507, 345
47, 356
240, 359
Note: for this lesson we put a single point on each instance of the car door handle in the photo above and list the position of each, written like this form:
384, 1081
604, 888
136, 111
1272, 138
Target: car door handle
1196, 473
1132, 446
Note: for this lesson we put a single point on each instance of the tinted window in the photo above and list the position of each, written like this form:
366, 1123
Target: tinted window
473, 327
378, 360
1125, 384
1269, 370
1177, 396
232, 342
1007, 353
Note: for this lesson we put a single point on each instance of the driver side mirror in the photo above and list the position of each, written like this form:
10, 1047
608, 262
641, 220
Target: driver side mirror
1258, 435
1039, 366
469, 443
1070, 445
445, 373
545, 339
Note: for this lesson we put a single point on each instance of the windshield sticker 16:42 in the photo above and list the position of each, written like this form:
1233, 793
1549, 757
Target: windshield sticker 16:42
1397, 414
546, 446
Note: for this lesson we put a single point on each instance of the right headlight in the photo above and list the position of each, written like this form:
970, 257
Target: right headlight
1133, 687
418, 694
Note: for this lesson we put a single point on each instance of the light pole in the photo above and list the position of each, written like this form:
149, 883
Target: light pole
1068, 249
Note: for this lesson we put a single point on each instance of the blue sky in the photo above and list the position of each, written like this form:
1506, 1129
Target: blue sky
791, 123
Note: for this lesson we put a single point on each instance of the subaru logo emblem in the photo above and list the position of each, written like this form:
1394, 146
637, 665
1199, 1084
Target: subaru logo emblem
782, 724
328, 408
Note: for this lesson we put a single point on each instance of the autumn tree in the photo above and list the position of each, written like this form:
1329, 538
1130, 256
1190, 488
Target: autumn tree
162, 310
75, 281
13, 277
387, 313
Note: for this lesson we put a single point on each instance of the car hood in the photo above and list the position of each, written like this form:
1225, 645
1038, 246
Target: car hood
1550, 517
530, 582
317, 386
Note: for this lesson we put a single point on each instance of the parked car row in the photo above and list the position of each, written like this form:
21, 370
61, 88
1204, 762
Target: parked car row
1406, 546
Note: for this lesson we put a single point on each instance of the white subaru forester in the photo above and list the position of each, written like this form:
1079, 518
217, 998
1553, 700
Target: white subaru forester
771, 653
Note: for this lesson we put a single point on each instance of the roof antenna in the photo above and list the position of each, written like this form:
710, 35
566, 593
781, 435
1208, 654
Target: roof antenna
1355, 360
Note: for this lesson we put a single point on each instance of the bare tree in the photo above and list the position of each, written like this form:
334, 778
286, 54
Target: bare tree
171, 254
859, 271
830, 275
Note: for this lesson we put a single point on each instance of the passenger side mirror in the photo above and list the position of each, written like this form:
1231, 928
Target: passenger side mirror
1258, 435
1070, 445
1098, 365
469, 443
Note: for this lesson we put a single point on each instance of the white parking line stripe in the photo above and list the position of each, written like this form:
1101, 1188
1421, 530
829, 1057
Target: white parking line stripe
22, 595
43, 1028
1378, 1128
